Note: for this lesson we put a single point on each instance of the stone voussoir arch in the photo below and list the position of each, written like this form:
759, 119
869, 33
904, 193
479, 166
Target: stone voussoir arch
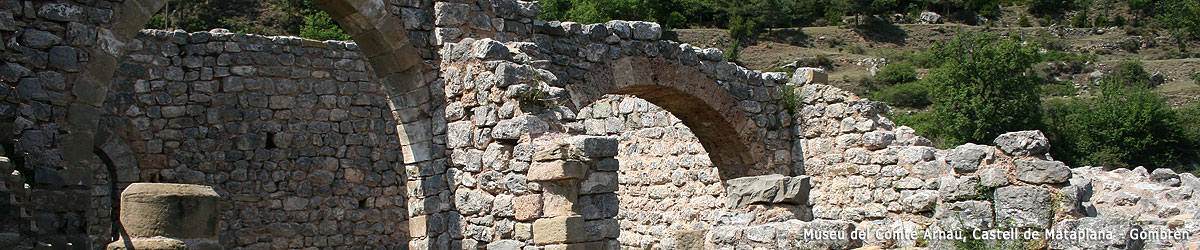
708, 109
736, 113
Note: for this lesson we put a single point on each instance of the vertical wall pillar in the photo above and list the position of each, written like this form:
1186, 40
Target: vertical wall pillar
575, 177
158, 216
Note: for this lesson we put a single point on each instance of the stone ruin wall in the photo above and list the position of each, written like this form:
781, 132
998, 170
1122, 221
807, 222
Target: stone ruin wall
480, 58
188, 104
295, 135
870, 174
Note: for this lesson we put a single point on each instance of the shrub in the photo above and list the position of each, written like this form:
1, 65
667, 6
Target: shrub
731, 54
1101, 21
1059, 89
1126, 125
855, 49
319, 26
1196, 77
984, 87
1024, 21
1189, 118
1080, 20
896, 73
911, 94
1131, 73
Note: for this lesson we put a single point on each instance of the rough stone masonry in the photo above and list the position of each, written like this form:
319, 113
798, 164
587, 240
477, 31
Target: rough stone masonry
470, 124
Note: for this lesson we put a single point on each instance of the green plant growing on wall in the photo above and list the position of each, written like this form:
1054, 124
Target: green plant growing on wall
790, 100
536, 95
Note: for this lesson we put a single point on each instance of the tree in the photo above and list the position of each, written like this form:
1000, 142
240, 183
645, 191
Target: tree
984, 87
1182, 20
265, 17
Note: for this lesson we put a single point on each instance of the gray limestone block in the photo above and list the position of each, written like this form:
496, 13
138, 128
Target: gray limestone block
1023, 143
1023, 207
768, 189
1041, 171
1116, 232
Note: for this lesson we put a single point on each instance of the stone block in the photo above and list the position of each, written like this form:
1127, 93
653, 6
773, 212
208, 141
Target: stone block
169, 210
1023, 207
505, 245
689, 239
527, 207
966, 158
164, 244
993, 177
599, 182
596, 146
964, 215
804, 76
1024, 143
557, 170
960, 188
1041, 171
1119, 228
417, 226
562, 229
579, 246
559, 200
768, 189
551, 153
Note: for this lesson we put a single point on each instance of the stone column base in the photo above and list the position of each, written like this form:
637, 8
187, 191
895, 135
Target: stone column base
162, 243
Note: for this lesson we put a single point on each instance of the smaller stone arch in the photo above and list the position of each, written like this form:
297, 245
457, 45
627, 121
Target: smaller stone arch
706, 107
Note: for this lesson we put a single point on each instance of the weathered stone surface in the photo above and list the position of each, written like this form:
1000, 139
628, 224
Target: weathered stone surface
965, 215
164, 244
966, 158
169, 210
920, 201
599, 182
449, 14
512, 129
804, 76
38, 39
505, 245
1024, 143
1116, 232
563, 229
557, 170
1165, 176
1023, 207
646, 30
959, 188
527, 207
993, 177
1041, 171
769, 189
596, 146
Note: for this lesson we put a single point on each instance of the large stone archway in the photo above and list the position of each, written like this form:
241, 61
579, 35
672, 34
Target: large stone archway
459, 114
77, 47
